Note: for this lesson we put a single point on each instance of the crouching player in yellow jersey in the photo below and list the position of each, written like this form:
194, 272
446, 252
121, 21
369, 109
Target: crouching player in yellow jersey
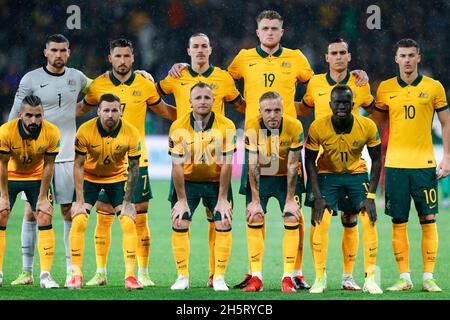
411, 99
340, 171
201, 144
28, 148
102, 147
317, 98
224, 89
274, 142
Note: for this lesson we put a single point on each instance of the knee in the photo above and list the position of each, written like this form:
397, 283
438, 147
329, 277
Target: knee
349, 219
141, 207
222, 225
28, 212
290, 219
43, 219
181, 225
429, 218
105, 207
257, 218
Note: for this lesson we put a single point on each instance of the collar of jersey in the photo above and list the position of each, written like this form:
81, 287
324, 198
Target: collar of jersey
269, 132
205, 74
264, 54
331, 82
103, 132
208, 125
26, 136
345, 130
54, 74
414, 83
117, 82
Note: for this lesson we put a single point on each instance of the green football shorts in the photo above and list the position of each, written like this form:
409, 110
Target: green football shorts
31, 189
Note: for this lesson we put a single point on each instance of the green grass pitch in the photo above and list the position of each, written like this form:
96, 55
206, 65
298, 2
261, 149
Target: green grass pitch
162, 266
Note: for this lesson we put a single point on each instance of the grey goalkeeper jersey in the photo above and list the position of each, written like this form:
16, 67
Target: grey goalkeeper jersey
59, 94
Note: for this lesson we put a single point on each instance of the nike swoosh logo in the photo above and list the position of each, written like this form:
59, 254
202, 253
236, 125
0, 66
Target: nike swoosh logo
430, 252
131, 251
178, 262
98, 237
256, 255
184, 83
322, 94
352, 255
371, 249
252, 64
47, 248
95, 146
145, 193
75, 250
44, 85
221, 261
392, 97
431, 207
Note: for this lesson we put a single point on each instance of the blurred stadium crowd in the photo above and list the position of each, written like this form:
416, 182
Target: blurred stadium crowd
160, 30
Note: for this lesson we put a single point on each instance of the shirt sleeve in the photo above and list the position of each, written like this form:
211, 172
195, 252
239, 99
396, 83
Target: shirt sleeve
439, 100
308, 99
304, 72
81, 142
165, 86
235, 68
231, 92
380, 103
153, 95
297, 137
5, 144
25, 89
229, 141
134, 148
176, 148
312, 141
367, 98
54, 142
91, 97
373, 137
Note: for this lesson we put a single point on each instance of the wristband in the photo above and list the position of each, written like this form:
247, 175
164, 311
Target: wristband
371, 196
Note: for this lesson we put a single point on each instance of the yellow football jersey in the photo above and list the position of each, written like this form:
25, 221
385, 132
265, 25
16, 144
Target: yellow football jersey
106, 154
222, 83
318, 94
411, 109
27, 152
273, 147
342, 149
263, 72
135, 95
202, 150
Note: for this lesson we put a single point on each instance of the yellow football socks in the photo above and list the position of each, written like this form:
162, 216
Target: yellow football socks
102, 237
211, 241
255, 242
181, 250
312, 227
320, 244
400, 243
222, 251
143, 240
46, 246
429, 245
350, 240
370, 244
290, 245
128, 244
301, 238
2, 245
79, 224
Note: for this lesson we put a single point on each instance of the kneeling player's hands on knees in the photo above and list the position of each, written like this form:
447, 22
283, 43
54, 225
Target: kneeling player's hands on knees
320, 204
77, 208
254, 208
44, 206
178, 210
128, 209
368, 205
291, 206
226, 213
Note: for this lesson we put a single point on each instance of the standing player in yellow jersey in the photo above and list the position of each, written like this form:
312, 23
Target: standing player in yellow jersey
274, 142
317, 98
102, 147
136, 94
224, 89
28, 148
201, 144
411, 99
340, 171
